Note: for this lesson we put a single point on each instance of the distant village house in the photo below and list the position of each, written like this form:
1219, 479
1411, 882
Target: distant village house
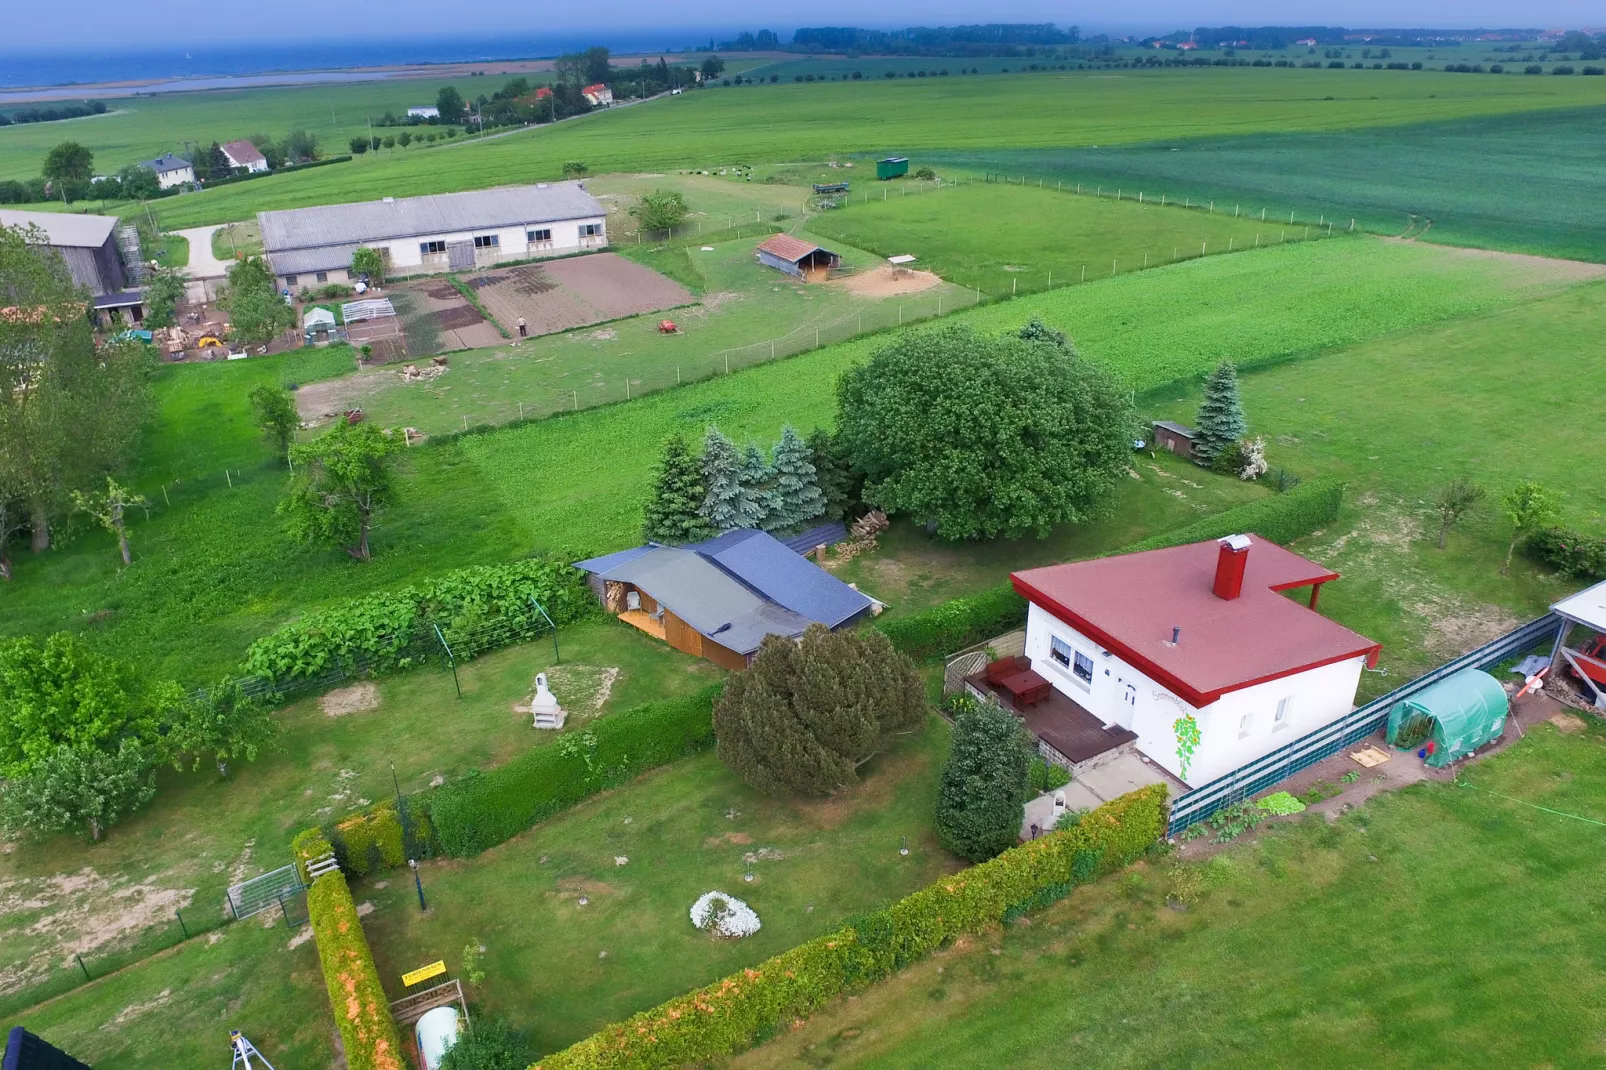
598, 96
244, 155
428, 111
170, 171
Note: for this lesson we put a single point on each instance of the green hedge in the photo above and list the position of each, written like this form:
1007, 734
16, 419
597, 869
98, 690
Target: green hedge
485, 808
355, 994
477, 608
964, 622
727, 1016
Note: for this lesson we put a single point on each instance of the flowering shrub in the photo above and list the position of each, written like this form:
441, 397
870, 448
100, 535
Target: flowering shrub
1571, 553
725, 915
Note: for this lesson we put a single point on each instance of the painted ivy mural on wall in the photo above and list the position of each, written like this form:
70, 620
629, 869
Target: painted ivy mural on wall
1187, 730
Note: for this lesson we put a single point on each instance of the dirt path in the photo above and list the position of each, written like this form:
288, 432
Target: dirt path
203, 265
1571, 270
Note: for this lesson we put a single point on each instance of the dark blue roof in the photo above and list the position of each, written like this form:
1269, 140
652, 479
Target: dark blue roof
762, 562
608, 561
827, 534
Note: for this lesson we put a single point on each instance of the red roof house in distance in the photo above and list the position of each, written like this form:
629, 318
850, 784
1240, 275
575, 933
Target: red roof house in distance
246, 155
1137, 641
598, 96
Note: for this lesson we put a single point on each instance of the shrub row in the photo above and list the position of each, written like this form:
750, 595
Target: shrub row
1571, 553
727, 1016
475, 608
964, 622
378, 838
355, 994
253, 175
485, 808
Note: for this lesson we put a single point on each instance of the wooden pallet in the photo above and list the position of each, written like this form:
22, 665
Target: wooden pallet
1369, 757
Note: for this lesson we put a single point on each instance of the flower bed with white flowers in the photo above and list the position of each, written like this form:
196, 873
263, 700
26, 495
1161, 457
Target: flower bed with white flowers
724, 915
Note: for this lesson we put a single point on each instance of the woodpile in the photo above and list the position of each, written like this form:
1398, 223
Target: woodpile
862, 535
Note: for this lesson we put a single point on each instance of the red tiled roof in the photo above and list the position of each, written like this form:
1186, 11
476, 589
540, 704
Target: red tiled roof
1130, 603
243, 153
599, 87
787, 247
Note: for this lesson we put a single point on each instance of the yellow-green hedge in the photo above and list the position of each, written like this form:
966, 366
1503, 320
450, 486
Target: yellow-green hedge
355, 995
725, 1017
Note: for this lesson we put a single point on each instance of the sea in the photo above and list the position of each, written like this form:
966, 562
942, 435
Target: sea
303, 62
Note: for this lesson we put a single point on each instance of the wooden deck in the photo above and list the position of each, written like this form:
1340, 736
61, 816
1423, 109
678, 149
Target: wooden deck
1061, 723
640, 618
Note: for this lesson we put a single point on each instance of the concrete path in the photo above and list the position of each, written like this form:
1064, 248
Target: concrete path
203, 265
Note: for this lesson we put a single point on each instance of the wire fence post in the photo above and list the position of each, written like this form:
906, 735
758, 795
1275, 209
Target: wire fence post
81, 966
185, 929
450, 660
539, 608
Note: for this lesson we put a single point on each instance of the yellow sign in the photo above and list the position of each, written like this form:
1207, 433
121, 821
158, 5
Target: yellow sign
424, 973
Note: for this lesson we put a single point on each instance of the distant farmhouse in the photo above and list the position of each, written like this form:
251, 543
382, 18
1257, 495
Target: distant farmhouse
170, 171
428, 111
426, 235
598, 96
88, 245
243, 154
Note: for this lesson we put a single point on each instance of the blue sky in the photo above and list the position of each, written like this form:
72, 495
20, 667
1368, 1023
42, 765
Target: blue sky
99, 24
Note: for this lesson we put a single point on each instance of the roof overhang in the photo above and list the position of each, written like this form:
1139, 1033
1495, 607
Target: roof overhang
1587, 607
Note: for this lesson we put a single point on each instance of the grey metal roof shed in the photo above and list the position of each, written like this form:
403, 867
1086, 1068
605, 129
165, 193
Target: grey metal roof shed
353, 224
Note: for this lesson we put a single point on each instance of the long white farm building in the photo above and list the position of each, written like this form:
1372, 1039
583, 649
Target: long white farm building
441, 232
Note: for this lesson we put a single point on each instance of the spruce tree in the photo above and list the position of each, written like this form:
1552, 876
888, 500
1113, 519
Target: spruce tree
673, 512
1220, 423
833, 473
757, 502
797, 486
724, 506
983, 783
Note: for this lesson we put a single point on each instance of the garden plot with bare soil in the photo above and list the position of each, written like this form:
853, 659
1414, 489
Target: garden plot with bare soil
563, 294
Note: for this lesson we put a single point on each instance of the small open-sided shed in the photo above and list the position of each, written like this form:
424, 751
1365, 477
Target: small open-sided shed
1459, 714
892, 167
797, 257
1587, 662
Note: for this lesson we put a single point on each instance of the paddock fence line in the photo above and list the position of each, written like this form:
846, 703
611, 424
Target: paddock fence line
1271, 769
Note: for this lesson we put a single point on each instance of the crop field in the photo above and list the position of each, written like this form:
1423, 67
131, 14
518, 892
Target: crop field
1531, 186
1438, 924
562, 969
1004, 239
812, 121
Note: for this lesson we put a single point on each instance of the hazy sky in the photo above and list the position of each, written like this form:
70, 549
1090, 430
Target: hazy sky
102, 23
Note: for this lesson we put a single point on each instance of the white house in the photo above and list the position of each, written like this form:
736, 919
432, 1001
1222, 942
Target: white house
598, 96
246, 155
170, 171
426, 112
425, 235
1134, 643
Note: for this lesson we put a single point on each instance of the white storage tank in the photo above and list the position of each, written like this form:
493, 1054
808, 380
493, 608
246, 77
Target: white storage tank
435, 1032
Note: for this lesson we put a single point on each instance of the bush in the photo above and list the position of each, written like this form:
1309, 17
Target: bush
356, 997
987, 774
1565, 68
392, 630
1281, 519
956, 624
1047, 777
725, 1017
486, 808
1571, 553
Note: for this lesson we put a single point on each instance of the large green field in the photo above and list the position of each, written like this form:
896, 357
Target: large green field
1531, 186
1439, 925
811, 121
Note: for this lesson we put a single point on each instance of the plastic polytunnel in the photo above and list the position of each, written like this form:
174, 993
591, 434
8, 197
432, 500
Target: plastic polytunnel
1451, 718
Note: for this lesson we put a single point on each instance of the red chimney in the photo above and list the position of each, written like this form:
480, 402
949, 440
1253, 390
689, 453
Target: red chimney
1230, 562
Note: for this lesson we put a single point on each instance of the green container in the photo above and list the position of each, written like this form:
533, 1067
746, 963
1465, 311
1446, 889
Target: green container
892, 167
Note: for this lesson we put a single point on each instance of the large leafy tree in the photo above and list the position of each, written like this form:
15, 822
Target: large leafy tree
276, 413
69, 162
673, 512
796, 495
162, 295
341, 481
256, 311
660, 210
1220, 423
450, 104
983, 436
806, 715
70, 413
986, 777
79, 789
221, 724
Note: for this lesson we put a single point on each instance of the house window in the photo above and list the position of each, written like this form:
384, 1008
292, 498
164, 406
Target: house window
487, 241
322, 276
545, 234
1243, 727
289, 280
590, 230
1083, 668
428, 247
1058, 651
1280, 719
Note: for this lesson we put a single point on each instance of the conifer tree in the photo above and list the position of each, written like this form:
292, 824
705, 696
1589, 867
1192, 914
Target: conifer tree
726, 504
757, 480
983, 783
673, 514
1220, 423
833, 473
797, 487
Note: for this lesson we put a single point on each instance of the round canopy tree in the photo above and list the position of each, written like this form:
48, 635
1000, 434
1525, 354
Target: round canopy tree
984, 436
805, 715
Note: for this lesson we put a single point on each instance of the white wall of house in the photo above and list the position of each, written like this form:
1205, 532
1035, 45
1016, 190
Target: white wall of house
251, 166
180, 177
1236, 729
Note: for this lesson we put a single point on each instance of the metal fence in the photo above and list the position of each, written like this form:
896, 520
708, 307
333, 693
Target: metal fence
1304, 752
262, 893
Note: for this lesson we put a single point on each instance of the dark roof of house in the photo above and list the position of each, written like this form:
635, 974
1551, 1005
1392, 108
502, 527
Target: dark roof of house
165, 163
1129, 603
1176, 428
790, 249
735, 588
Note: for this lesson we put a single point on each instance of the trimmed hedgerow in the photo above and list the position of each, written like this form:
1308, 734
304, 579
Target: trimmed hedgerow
725, 1017
475, 608
1281, 518
485, 808
356, 996
956, 624
309, 845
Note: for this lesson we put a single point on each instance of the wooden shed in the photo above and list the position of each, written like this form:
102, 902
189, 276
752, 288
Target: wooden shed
1174, 437
797, 257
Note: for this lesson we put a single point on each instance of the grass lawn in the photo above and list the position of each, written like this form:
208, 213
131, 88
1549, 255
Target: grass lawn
798, 122
236, 238
174, 252
1439, 925
177, 1009
563, 970
201, 834
1003, 239
1525, 185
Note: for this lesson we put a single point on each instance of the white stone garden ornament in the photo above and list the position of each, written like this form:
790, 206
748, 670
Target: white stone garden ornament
724, 915
544, 706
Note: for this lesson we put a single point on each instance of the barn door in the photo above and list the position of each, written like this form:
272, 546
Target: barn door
460, 255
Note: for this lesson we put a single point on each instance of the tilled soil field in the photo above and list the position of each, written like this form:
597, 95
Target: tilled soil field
563, 294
